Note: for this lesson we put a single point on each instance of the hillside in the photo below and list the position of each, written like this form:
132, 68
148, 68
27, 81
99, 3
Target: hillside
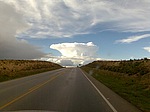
129, 78
10, 69
130, 67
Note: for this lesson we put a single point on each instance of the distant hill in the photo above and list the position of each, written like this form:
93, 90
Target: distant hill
10, 69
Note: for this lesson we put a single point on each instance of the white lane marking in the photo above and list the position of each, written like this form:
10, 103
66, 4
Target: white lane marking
110, 105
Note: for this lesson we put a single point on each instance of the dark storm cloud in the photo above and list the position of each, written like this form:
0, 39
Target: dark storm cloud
11, 47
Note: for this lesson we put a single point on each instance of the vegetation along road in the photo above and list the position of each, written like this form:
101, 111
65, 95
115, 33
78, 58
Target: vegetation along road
65, 89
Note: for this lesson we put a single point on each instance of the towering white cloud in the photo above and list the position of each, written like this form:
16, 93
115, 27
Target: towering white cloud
76, 53
65, 18
76, 49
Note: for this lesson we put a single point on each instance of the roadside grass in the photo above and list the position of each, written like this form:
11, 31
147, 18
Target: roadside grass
24, 74
12, 69
135, 89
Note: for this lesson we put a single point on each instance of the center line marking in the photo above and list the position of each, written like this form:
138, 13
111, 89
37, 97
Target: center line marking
30, 91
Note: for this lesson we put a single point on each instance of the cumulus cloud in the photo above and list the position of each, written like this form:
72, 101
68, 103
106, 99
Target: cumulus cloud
75, 53
76, 49
66, 18
134, 38
10, 47
147, 49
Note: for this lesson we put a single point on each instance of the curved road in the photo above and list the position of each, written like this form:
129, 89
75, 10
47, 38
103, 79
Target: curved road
63, 90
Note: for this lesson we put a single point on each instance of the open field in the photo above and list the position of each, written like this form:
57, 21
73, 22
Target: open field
130, 79
10, 69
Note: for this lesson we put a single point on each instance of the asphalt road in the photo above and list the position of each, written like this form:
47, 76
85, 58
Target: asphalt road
63, 90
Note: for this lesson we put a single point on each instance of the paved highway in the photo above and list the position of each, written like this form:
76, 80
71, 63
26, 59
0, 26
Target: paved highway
63, 90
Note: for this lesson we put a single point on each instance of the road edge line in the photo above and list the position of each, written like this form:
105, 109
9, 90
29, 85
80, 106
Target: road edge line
109, 104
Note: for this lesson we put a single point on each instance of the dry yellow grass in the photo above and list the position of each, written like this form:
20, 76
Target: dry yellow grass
10, 69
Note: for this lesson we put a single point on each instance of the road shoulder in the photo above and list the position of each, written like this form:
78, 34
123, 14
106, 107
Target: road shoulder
120, 104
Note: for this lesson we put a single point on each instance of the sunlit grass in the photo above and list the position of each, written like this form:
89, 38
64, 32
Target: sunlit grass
11, 69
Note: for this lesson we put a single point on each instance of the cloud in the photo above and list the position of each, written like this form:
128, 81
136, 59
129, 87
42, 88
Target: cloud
66, 18
133, 38
11, 47
66, 63
23, 19
147, 49
75, 53
76, 49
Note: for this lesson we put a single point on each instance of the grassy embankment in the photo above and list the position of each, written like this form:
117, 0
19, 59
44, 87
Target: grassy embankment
11, 69
130, 79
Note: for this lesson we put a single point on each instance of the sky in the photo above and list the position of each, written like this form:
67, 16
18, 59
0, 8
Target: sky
73, 32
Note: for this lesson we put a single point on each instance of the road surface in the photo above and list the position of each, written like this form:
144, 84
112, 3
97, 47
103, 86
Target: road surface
63, 90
